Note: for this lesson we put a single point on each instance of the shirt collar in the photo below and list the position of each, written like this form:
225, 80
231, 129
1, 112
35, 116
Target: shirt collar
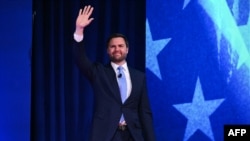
115, 66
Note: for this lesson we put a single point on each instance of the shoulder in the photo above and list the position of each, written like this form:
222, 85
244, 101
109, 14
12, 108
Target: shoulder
136, 72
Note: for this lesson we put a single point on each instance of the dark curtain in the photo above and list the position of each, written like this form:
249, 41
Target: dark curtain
62, 99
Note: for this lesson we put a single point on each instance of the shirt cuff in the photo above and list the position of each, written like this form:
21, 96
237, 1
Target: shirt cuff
78, 38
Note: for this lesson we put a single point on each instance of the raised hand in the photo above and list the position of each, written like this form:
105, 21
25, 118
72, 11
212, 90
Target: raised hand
83, 18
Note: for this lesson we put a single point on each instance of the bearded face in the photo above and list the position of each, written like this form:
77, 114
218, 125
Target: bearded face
117, 50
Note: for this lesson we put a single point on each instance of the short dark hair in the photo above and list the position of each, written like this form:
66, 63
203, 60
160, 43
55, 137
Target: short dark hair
115, 35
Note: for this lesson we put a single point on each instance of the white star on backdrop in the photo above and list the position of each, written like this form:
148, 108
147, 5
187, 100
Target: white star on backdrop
198, 113
222, 17
153, 48
244, 30
186, 2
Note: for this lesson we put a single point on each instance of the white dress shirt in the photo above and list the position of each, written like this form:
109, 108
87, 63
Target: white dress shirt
127, 75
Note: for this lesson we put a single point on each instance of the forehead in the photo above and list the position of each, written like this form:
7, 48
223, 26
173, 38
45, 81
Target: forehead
117, 40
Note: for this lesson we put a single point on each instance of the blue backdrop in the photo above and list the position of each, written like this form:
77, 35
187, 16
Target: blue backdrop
15, 43
197, 59
198, 67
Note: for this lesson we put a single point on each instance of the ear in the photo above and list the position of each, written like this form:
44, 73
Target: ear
127, 50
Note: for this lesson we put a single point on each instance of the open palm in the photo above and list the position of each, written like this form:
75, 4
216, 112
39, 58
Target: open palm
83, 19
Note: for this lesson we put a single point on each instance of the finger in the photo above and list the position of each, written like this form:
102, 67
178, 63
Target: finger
91, 19
88, 9
84, 10
91, 10
80, 12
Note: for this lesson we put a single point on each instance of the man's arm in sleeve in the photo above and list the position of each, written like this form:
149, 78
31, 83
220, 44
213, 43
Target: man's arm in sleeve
146, 114
82, 21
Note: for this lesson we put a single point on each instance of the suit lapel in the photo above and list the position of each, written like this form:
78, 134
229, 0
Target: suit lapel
116, 92
114, 84
133, 82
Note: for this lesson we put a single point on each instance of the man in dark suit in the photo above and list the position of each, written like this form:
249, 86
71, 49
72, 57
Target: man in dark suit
122, 110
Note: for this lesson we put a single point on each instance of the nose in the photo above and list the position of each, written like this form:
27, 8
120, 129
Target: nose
116, 48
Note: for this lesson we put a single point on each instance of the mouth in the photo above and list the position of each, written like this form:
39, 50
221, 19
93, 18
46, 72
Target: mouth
116, 54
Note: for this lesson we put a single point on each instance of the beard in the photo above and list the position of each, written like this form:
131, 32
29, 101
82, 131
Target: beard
118, 59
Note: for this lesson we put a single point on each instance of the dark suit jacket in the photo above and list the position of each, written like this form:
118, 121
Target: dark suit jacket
108, 105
